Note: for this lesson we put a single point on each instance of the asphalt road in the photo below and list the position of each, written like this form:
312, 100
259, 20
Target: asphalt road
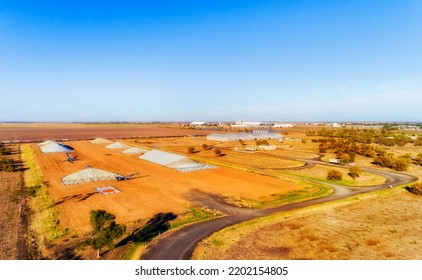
180, 244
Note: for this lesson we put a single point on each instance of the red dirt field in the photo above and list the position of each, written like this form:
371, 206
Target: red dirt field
156, 189
40, 132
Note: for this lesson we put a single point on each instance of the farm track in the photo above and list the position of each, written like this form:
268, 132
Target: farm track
179, 245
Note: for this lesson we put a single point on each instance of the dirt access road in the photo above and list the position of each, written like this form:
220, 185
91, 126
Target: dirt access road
179, 245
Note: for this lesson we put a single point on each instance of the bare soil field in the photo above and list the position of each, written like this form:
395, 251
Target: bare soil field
156, 189
40, 132
380, 226
11, 228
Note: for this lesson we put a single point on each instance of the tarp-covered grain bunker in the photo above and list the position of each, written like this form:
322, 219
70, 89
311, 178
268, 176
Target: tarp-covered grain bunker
174, 161
134, 151
55, 147
117, 146
89, 175
101, 141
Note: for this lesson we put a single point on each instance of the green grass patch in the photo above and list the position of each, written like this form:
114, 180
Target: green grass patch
311, 190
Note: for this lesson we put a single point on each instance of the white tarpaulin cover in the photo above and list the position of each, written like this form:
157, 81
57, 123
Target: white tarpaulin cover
55, 147
134, 151
117, 146
88, 175
101, 141
45, 143
174, 161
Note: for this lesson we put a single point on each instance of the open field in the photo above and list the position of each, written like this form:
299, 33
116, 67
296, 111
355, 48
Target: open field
320, 172
39, 132
156, 189
381, 225
11, 227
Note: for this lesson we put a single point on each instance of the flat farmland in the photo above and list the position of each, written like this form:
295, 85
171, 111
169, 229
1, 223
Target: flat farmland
156, 189
40, 132
385, 225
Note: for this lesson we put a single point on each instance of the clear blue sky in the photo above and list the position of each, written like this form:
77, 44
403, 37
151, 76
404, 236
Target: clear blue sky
211, 60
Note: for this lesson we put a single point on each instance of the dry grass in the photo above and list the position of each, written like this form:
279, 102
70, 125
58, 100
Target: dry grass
9, 217
320, 172
382, 225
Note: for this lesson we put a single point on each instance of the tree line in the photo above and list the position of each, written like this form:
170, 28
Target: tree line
383, 137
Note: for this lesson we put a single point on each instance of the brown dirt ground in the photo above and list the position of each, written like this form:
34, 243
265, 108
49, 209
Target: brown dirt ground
380, 226
10, 222
157, 188
39, 132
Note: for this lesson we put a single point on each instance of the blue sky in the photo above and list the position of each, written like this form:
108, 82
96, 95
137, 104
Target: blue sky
211, 60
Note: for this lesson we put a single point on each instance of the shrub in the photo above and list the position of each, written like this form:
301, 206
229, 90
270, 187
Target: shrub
416, 188
354, 172
334, 175
261, 142
217, 152
205, 146
191, 150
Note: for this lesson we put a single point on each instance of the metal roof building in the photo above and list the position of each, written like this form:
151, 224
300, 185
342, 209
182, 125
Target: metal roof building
175, 161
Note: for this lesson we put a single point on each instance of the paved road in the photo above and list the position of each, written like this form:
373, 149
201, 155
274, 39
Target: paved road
179, 245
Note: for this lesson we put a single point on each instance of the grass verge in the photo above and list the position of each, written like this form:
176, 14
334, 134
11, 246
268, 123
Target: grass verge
44, 215
193, 215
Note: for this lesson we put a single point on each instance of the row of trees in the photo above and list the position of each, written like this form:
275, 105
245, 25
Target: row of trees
4, 150
346, 150
367, 136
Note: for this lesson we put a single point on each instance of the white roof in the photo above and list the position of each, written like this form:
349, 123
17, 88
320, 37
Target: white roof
101, 141
117, 145
134, 151
88, 175
55, 147
174, 161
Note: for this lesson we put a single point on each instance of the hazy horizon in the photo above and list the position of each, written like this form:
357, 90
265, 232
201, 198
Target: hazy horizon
129, 61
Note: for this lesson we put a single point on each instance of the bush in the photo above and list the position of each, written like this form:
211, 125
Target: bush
191, 150
261, 142
416, 188
334, 175
217, 152
354, 172
6, 164
205, 146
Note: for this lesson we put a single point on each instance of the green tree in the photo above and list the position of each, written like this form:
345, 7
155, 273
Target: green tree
105, 230
334, 175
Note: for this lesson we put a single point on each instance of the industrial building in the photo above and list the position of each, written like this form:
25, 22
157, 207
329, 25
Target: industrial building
244, 136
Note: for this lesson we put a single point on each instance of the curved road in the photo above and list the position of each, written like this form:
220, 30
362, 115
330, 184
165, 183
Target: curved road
180, 244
